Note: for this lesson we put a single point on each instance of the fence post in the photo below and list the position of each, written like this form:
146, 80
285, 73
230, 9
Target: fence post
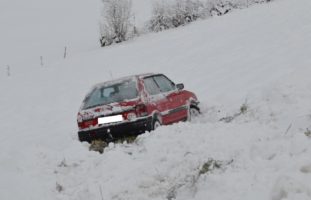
8, 70
41, 61
65, 53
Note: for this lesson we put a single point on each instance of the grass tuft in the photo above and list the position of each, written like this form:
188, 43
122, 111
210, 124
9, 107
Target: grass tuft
308, 133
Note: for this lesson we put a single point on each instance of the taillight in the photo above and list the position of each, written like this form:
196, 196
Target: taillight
141, 110
131, 116
88, 123
79, 118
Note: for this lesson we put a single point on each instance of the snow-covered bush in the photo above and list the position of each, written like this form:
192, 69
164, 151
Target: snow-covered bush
187, 11
221, 7
116, 24
167, 15
174, 13
117, 18
161, 18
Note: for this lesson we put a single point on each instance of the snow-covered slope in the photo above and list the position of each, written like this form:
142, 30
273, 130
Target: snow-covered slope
30, 29
259, 55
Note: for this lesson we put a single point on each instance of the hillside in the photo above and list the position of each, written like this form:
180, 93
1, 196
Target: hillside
259, 56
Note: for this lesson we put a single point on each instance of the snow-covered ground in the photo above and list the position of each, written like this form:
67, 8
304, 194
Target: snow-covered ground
259, 55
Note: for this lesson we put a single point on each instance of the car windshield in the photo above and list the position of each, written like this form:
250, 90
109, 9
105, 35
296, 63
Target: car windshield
106, 94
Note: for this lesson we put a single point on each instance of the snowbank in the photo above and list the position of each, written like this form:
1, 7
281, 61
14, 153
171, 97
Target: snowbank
258, 55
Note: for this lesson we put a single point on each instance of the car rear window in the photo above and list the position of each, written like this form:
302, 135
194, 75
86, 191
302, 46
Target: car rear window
106, 94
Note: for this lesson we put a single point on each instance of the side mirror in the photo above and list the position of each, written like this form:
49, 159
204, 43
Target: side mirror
180, 86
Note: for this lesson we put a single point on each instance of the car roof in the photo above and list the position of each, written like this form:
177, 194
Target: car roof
125, 78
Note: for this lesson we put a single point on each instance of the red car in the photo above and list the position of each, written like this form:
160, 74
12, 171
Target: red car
133, 105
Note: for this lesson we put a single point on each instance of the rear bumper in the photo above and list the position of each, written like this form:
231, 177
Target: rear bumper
113, 132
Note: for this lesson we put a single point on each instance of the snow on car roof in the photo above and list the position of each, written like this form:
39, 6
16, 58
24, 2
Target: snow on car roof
122, 79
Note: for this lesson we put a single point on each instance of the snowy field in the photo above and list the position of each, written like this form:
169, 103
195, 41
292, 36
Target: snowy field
260, 56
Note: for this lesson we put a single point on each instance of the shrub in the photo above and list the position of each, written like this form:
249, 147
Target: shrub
161, 18
167, 15
209, 166
308, 133
117, 17
116, 25
171, 14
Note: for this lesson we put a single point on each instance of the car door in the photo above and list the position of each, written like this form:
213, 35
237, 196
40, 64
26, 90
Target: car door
156, 101
176, 106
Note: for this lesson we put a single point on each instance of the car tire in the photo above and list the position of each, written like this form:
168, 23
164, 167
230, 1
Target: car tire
193, 112
155, 124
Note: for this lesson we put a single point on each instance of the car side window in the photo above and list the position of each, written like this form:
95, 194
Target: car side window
164, 83
151, 86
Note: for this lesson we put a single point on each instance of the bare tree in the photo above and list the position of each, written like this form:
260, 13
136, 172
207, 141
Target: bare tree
116, 25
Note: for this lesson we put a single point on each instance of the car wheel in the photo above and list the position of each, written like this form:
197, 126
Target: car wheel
156, 124
193, 113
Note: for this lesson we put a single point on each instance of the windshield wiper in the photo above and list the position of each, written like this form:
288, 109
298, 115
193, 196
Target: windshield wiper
101, 104
93, 106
